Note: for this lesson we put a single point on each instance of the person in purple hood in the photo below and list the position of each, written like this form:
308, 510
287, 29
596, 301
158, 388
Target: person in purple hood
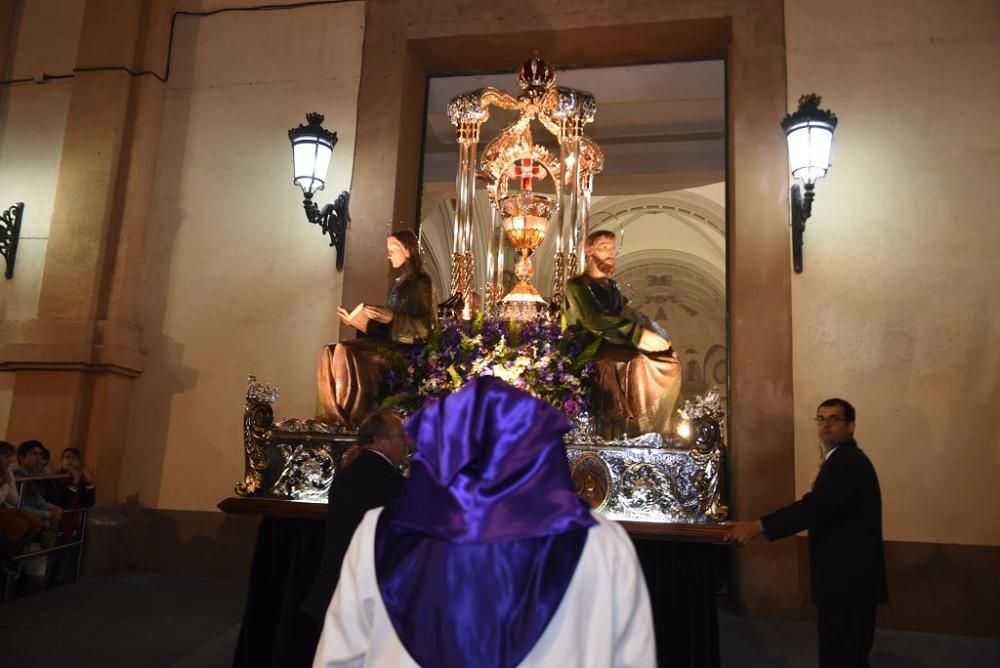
488, 558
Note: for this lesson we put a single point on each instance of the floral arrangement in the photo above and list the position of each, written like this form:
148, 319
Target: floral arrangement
536, 356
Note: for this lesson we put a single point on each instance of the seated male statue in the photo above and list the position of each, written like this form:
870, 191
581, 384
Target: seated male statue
638, 374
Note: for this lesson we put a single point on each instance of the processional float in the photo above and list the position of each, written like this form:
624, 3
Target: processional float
656, 478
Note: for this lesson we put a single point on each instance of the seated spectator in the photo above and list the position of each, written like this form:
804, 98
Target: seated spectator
29, 463
17, 528
74, 494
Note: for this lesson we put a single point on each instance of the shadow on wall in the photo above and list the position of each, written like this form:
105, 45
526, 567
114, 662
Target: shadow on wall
132, 537
164, 376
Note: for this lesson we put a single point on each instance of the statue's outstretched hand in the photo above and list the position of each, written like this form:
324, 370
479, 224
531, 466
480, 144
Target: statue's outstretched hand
652, 342
378, 313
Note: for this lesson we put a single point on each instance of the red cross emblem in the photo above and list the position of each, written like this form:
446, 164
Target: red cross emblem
526, 169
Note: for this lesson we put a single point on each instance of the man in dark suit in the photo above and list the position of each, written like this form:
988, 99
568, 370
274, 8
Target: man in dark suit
843, 514
370, 481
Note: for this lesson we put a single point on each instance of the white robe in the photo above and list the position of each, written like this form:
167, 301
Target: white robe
603, 620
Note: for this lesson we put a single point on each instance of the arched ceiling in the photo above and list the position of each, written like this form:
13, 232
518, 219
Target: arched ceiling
665, 121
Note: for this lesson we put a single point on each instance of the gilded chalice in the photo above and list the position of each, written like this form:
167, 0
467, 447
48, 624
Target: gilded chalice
525, 217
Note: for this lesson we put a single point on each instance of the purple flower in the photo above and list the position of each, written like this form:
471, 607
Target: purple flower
493, 330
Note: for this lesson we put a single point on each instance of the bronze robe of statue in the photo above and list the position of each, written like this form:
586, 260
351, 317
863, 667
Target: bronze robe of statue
635, 390
349, 374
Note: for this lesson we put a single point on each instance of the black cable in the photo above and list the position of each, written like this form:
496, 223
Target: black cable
170, 42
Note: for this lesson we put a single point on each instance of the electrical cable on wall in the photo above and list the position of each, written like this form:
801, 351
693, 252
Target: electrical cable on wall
42, 78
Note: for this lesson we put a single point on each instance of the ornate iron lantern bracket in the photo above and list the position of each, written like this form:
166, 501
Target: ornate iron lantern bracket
801, 210
10, 233
333, 219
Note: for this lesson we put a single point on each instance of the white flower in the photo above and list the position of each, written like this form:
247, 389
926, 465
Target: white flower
506, 374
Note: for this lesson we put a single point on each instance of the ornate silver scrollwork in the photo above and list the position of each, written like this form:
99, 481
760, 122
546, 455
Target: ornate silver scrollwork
583, 434
307, 475
257, 419
310, 426
467, 108
706, 418
658, 484
293, 459
574, 105
260, 393
648, 479
582, 431
707, 483
656, 478
643, 485
708, 405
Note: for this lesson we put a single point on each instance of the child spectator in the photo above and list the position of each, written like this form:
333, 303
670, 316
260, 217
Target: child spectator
17, 527
74, 494
29, 463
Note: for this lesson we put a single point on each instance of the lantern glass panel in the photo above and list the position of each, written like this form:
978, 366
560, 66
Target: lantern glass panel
310, 162
809, 147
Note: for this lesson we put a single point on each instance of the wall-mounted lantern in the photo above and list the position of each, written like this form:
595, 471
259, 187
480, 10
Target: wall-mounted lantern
10, 233
809, 132
312, 149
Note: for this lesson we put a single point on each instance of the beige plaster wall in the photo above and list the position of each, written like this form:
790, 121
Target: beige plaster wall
45, 34
235, 280
6, 399
44, 38
898, 308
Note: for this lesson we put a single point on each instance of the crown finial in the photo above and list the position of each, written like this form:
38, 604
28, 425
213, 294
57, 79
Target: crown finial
536, 74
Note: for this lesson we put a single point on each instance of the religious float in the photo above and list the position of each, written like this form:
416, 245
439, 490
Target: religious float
671, 474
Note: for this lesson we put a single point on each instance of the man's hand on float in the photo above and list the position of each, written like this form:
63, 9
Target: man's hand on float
744, 532
378, 313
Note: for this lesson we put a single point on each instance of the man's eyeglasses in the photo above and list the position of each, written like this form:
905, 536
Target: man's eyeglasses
829, 419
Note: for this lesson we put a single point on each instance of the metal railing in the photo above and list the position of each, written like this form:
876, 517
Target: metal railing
26, 553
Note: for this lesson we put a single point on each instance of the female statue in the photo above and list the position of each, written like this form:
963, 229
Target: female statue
350, 372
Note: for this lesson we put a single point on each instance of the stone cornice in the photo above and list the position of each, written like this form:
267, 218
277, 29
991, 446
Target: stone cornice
71, 345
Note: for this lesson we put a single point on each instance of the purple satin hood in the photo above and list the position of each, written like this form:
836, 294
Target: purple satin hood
475, 556
489, 466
